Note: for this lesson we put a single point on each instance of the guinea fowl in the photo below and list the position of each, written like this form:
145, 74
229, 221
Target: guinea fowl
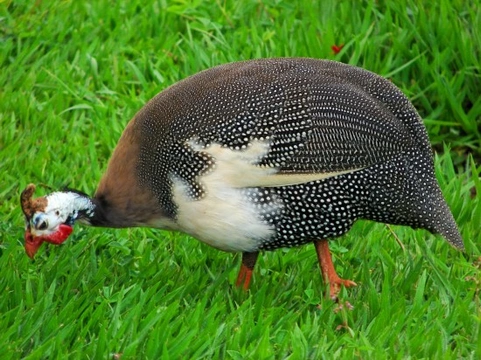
259, 155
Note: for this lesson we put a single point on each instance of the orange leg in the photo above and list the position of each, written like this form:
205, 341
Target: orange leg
327, 269
245, 273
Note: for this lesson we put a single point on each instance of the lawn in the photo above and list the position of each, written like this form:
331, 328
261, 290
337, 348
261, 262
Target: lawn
72, 75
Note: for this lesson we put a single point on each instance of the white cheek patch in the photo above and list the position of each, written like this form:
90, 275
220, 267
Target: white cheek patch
50, 218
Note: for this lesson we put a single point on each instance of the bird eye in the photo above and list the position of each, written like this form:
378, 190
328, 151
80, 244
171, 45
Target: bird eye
42, 226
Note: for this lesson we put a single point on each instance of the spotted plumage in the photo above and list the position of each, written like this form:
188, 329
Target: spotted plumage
273, 153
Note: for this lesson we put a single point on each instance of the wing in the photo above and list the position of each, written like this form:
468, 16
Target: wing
283, 121
316, 122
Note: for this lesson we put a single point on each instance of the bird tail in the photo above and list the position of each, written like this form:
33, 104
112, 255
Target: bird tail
445, 225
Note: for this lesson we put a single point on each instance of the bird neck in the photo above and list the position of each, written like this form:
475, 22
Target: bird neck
75, 206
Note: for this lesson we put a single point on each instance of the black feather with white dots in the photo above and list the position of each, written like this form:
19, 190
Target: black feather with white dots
341, 144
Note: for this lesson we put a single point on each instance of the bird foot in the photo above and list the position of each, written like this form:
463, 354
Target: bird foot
335, 285
335, 288
328, 272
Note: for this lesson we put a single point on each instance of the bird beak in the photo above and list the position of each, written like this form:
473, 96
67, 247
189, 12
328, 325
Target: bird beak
32, 243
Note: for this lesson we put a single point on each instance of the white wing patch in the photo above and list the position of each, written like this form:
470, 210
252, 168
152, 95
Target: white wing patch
240, 168
225, 218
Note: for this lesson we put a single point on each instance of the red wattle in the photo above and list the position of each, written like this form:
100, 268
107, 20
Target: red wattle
60, 235
32, 243
28, 236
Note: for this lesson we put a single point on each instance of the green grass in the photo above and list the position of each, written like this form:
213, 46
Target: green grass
74, 72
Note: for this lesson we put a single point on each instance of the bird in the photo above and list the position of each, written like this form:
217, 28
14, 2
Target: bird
256, 155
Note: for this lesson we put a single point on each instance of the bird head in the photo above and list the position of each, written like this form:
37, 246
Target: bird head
51, 218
